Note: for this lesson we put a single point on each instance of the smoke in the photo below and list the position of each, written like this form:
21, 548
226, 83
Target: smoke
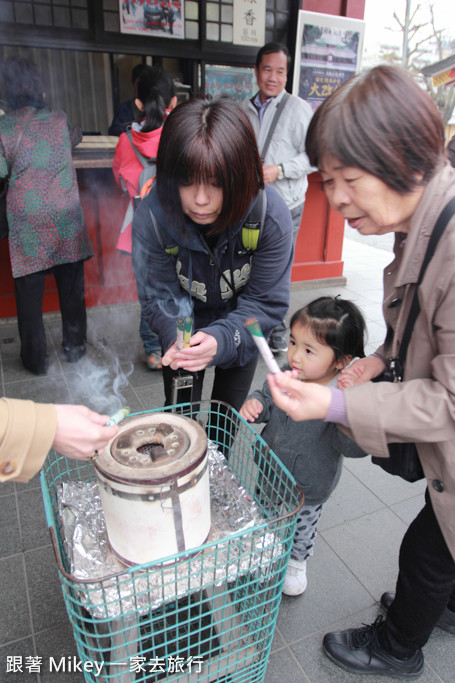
101, 387
174, 308
100, 377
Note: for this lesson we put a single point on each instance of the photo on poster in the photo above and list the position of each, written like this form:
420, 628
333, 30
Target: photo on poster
328, 52
160, 18
237, 82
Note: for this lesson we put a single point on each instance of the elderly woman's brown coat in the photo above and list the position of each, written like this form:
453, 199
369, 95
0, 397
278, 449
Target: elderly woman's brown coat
422, 408
27, 430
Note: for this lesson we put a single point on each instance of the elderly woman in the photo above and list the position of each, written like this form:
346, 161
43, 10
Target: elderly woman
378, 142
47, 232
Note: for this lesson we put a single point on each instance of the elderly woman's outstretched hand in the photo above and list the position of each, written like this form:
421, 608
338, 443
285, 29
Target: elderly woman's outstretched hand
361, 370
301, 400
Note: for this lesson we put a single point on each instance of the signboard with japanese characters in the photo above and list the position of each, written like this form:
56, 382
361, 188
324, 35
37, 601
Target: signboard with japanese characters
328, 52
249, 23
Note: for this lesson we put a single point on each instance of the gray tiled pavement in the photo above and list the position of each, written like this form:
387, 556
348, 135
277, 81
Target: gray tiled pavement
360, 531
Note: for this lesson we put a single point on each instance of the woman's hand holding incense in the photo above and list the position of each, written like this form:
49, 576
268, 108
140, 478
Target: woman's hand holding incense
300, 400
197, 356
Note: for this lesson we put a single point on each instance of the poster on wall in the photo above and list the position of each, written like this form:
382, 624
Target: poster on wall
163, 18
328, 52
249, 23
237, 82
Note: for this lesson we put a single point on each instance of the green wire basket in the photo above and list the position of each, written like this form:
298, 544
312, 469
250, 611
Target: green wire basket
209, 616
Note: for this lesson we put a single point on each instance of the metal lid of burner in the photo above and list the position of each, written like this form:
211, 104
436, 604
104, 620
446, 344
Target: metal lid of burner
154, 448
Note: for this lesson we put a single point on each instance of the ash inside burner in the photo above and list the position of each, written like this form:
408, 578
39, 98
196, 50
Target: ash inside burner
156, 451
125, 442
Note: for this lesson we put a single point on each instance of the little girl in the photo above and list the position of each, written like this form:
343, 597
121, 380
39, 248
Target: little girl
325, 336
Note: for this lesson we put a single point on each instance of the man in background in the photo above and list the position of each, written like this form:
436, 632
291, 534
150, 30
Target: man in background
285, 163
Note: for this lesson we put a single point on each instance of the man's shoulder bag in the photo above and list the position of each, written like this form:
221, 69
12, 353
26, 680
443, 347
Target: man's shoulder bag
404, 459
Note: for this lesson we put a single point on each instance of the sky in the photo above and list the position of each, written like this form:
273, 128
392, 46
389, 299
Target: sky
379, 16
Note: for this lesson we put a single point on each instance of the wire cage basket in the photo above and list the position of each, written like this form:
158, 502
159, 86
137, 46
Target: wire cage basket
205, 616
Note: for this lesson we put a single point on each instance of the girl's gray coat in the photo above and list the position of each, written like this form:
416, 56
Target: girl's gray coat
312, 451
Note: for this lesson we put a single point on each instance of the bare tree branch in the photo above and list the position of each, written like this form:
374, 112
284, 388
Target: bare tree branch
421, 39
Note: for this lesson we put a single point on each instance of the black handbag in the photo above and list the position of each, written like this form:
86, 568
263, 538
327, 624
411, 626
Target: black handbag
403, 460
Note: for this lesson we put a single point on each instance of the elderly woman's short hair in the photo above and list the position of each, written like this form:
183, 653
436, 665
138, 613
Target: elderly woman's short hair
382, 122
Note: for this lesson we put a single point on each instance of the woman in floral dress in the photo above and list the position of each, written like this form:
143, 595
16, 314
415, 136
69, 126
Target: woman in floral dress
47, 232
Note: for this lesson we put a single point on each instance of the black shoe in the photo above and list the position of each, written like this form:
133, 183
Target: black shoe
446, 620
37, 368
74, 353
358, 650
277, 343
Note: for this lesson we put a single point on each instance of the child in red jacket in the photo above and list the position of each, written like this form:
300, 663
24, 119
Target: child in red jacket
155, 99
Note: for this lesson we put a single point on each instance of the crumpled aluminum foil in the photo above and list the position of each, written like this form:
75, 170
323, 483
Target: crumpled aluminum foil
111, 590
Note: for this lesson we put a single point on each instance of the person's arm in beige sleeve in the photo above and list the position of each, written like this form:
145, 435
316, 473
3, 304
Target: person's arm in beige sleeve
29, 430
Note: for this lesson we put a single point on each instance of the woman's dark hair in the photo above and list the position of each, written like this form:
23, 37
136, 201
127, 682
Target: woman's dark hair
136, 71
155, 89
22, 84
382, 122
209, 141
336, 322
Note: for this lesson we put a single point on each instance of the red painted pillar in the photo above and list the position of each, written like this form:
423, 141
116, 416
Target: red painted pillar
320, 241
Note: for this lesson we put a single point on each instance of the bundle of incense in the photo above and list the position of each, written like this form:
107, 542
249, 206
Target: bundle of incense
180, 332
188, 330
254, 328
118, 416
184, 330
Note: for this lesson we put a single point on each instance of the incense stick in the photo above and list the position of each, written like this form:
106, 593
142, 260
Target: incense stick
254, 328
118, 416
180, 323
188, 330
184, 330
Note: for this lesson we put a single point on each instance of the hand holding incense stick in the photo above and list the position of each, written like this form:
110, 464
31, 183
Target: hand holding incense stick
254, 328
114, 420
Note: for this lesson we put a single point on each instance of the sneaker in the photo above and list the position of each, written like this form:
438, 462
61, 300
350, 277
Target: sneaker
446, 620
358, 650
277, 343
295, 580
154, 361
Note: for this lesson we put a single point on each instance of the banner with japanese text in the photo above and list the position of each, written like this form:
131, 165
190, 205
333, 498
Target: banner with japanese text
249, 23
328, 52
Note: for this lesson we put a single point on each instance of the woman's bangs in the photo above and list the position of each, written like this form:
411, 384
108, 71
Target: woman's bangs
199, 164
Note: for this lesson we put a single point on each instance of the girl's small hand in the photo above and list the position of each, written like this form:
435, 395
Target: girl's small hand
197, 356
361, 370
251, 409
301, 400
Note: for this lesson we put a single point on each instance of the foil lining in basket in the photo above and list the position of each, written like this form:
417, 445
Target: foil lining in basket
111, 590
